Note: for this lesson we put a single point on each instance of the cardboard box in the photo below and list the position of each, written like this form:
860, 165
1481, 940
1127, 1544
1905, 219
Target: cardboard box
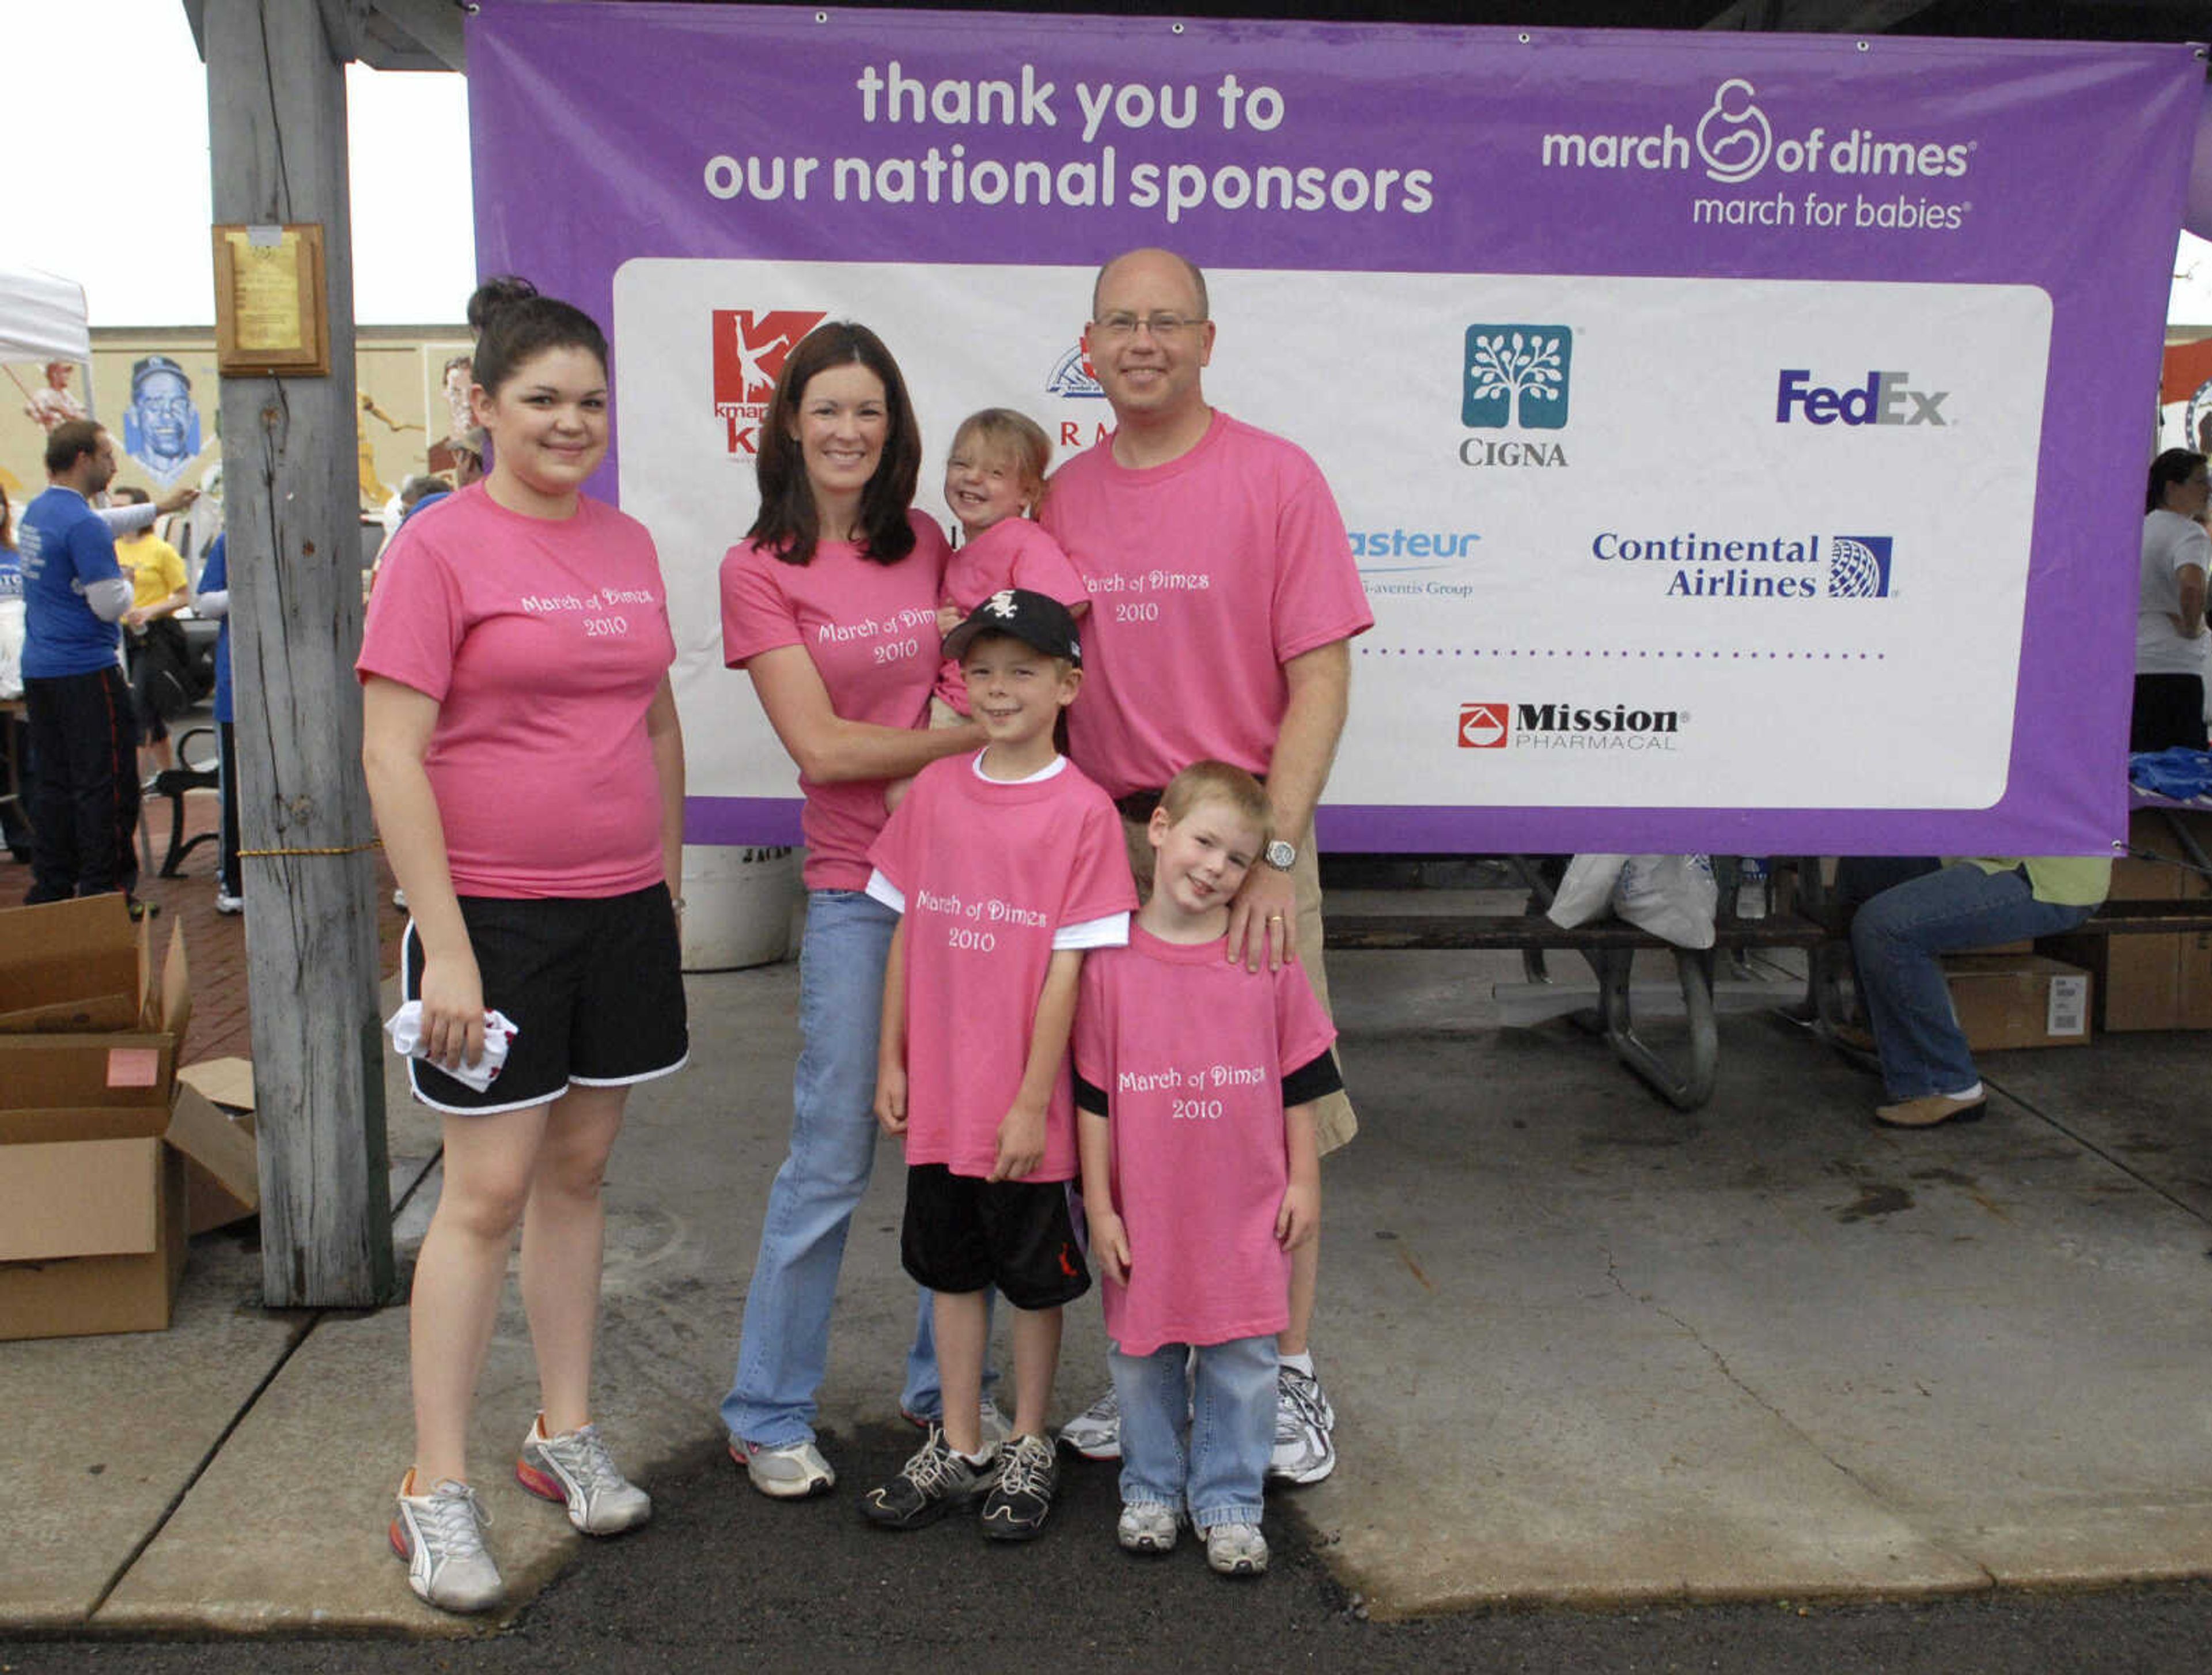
2153, 830
79, 966
2019, 1001
92, 1237
2156, 981
129, 1069
222, 1164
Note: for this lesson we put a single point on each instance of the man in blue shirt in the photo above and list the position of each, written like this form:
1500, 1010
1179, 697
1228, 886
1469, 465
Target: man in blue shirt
82, 733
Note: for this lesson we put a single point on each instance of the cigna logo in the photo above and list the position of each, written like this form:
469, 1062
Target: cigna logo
1517, 375
1734, 141
750, 350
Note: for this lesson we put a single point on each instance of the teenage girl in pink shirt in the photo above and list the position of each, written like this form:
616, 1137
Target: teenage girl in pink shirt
831, 606
523, 757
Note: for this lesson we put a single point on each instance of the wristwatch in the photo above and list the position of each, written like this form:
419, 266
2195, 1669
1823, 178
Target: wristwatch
1279, 855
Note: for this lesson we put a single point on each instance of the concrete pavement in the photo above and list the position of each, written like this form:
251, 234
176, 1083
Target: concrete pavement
1583, 1347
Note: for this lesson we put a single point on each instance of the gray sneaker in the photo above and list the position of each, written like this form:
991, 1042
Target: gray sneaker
1146, 1529
575, 1467
1020, 1500
791, 1472
1304, 1450
441, 1535
1237, 1549
1096, 1432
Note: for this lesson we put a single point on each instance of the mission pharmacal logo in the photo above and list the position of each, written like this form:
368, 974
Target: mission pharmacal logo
750, 350
1517, 375
1485, 726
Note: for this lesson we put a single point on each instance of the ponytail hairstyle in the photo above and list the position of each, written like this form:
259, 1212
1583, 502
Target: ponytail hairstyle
788, 525
513, 323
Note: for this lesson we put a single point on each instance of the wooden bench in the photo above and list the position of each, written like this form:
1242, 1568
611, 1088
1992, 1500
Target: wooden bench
1610, 946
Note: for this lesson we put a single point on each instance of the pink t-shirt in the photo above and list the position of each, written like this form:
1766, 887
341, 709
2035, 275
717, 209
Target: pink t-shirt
1013, 552
871, 631
1191, 1051
544, 641
989, 872
1206, 575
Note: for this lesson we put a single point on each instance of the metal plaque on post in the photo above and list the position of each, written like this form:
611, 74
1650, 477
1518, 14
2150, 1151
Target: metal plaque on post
270, 319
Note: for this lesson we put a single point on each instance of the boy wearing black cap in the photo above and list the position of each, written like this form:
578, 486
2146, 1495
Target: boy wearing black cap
1004, 867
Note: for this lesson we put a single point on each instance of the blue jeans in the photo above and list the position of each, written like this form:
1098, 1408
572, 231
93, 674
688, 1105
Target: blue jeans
785, 1344
1894, 941
1214, 1464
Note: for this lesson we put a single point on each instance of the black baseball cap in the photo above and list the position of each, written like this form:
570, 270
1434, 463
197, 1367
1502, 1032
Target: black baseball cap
1034, 619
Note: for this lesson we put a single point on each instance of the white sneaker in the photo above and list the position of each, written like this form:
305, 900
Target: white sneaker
1304, 1451
792, 1472
1237, 1549
1146, 1529
997, 1427
227, 903
575, 1467
399, 899
441, 1535
1096, 1432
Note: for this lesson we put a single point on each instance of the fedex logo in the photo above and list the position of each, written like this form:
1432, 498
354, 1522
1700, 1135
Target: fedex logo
1885, 398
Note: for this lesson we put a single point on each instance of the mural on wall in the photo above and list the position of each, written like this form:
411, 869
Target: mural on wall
54, 402
162, 425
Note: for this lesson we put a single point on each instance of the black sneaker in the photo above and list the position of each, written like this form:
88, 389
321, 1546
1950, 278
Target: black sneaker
934, 1482
1020, 1500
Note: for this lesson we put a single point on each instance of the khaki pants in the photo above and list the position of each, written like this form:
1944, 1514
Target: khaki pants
1334, 1120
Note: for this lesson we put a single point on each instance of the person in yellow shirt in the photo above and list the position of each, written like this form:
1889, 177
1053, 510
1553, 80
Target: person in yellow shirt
154, 641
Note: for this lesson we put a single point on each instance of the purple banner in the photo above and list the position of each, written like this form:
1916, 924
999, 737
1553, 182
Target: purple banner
1625, 663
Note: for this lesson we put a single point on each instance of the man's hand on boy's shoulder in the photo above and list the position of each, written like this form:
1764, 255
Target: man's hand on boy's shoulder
1021, 1141
891, 1097
1110, 1245
1299, 1218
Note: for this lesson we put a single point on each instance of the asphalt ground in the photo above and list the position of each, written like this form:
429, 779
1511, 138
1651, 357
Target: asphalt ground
689, 1593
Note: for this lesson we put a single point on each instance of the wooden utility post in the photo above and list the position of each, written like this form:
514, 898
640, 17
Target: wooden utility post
277, 110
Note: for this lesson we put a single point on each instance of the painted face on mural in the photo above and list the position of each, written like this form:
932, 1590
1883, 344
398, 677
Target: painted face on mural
1148, 343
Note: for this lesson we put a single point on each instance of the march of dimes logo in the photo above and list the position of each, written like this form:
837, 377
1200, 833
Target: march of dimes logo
750, 350
1515, 377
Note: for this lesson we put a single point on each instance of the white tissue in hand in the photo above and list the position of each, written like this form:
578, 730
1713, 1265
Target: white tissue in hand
405, 1028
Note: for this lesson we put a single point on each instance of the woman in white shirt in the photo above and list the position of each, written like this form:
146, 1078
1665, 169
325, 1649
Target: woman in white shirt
2169, 706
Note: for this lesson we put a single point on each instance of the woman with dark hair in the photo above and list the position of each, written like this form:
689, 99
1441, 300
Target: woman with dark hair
2169, 706
831, 606
526, 769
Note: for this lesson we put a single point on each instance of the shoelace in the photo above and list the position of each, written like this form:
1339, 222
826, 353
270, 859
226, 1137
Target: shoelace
931, 1468
587, 1456
1027, 1463
1301, 1410
457, 1520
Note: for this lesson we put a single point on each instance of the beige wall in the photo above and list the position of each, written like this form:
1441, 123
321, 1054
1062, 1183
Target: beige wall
398, 369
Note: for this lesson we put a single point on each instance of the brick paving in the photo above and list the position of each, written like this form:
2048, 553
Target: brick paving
222, 1016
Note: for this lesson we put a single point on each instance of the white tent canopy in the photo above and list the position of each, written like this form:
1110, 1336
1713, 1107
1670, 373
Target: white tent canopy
42, 317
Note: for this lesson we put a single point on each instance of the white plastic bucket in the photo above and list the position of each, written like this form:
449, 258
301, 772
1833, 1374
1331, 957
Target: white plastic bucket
738, 905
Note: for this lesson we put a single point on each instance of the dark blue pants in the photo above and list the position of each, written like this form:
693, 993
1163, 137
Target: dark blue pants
86, 815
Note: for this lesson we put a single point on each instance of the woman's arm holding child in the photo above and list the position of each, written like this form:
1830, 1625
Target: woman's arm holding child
1021, 1131
1109, 1239
1299, 1218
890, 1048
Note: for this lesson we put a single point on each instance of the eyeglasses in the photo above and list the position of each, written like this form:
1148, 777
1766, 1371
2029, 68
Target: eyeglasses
1161, 326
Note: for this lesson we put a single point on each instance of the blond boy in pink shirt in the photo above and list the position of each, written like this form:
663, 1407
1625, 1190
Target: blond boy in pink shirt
1201, 1173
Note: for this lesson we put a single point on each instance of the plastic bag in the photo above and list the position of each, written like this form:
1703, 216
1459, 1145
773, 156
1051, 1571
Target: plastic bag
1586, 892
1672, 896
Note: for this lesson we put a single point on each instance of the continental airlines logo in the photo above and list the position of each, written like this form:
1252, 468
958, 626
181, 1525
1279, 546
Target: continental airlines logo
1733, 142
750, 350
1767, 565
1565, 726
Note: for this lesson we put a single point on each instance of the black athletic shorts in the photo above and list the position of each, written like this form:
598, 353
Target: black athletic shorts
594, 987
963, 1234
